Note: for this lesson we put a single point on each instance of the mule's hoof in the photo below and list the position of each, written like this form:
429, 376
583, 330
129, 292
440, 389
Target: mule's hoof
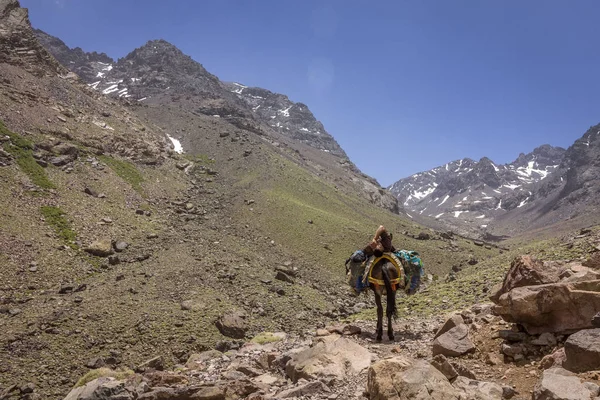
378, 339
391, 337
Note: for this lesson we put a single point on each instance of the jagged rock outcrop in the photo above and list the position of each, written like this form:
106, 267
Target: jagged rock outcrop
533, 296
526, 271
19, 45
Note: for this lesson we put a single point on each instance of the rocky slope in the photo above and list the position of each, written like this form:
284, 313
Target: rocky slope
487, 199
158, 75
470, 354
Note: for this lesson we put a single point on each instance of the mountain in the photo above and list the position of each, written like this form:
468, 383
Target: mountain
536, 191
130, 227
159, 69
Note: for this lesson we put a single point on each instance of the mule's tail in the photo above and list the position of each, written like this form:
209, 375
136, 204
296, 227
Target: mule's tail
390, 309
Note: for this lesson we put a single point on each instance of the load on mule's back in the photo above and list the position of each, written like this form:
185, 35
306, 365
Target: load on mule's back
379, 267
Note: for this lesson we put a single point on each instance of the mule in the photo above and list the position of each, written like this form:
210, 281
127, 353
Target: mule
387, 272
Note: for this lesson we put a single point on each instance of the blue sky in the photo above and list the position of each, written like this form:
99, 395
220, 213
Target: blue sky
403, 86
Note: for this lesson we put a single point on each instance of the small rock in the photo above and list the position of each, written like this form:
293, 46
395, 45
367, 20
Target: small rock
14, 311
492, 359
95, 363
152, 236
61, 160
67, 288
120, 246
423, 236
100, 248
310, 389
512, 350
182, 165
27, 388
440, 362
463, 371
508, 392
512, 336
351, 330
156, 363
90, 191
545, 339
282, 276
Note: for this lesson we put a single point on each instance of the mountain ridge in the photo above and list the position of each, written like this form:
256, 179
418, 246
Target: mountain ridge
488, 200
132, 77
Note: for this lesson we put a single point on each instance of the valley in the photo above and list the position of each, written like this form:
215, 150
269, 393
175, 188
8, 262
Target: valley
187, 237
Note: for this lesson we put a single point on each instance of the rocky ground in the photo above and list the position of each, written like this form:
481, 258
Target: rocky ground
427, 359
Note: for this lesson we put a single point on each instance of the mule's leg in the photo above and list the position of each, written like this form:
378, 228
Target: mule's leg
390, 313
379, 316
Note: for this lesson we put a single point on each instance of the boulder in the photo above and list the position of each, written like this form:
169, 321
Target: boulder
582, 351
100, 248
526, 271
478, 390
101, 388
402, 378
555, 307
233, 325
454, 343
453, 321
560, 384
331, 357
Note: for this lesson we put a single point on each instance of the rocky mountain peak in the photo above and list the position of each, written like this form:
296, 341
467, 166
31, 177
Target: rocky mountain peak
543, 155
158, 71
19, 45
286, 117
